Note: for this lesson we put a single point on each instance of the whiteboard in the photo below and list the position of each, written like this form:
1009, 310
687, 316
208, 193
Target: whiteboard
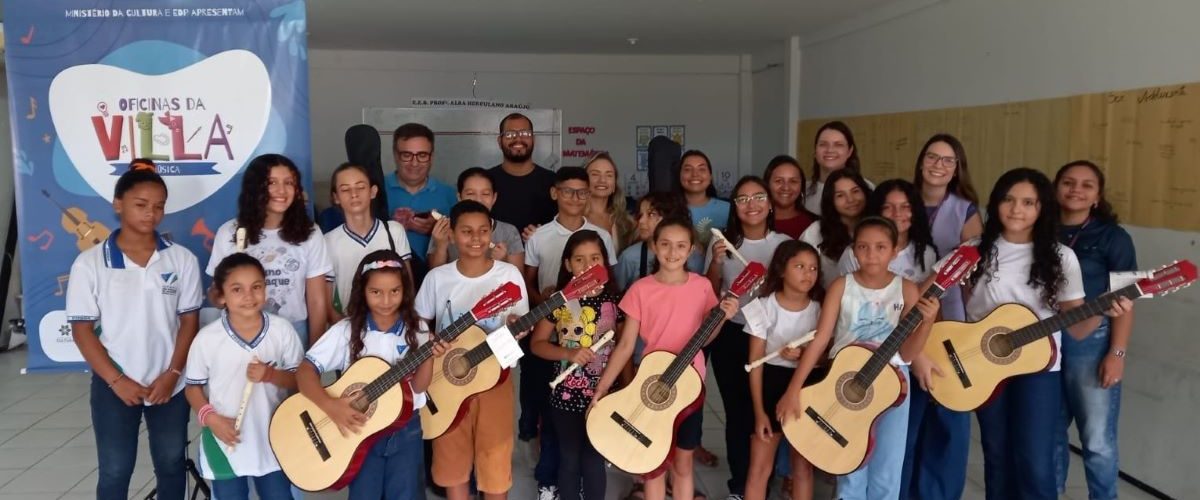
466, 137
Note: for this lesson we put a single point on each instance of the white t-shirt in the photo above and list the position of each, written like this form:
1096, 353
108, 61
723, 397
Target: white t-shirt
346, 251
135, 309
287, 265
759, 251
903, 265
218, 360
544, 249
446, 294
784, 326
1006, 280
332, 350
829, 267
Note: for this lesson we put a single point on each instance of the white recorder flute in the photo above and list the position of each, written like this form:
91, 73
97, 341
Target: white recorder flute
729, 246
607, 336
438, 216
804, 339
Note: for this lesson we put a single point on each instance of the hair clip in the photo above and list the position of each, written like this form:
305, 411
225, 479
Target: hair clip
380, 264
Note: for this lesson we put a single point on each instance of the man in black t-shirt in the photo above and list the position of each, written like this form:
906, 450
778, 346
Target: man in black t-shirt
522, 187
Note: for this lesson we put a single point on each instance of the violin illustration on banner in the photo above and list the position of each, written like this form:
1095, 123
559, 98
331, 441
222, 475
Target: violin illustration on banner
75, 221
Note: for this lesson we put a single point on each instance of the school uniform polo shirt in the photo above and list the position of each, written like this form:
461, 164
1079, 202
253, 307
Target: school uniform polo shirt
544, 249
135, 309
217, 361
434, 196
346, 251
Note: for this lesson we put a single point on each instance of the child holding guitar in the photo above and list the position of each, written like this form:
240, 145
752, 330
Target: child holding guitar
380, 321
132, 302
478, 441
577, 330
1022, 262
246, 346
791, 297
665, 309
866, 306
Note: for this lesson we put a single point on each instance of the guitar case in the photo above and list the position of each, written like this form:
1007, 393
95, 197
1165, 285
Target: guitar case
363, 148
662, 171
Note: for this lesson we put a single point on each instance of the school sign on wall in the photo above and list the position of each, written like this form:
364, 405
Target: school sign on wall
200, 87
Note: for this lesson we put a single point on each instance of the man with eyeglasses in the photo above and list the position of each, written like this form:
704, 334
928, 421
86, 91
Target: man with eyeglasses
411, 193
522, 187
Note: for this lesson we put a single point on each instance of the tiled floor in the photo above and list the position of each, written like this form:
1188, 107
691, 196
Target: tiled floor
47, 450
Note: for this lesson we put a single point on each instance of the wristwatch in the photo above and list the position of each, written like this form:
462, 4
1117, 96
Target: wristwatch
1120, 353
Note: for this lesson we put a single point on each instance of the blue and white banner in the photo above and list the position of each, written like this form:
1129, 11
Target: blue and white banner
200, 87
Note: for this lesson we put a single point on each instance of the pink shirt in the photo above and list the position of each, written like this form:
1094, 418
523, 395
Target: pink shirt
668, 315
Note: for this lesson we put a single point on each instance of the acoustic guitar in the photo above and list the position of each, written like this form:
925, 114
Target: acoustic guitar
634, 428
469, 367
312, 451
838, 414
977, 358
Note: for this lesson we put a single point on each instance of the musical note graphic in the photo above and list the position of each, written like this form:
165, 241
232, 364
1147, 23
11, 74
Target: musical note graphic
33, 105
201, 229
46, 138
44, 234
62, 285
28, 37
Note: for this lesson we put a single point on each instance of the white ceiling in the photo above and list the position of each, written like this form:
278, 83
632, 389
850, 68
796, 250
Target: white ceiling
572, 26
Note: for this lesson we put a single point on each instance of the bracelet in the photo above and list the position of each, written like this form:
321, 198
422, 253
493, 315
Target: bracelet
115, 380
203, 413
176, 372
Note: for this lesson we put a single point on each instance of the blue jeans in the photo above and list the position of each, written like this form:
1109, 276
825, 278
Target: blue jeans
1094, 410
116, 426
879, 477
546, 470
1017, 431
394, 468
939, 439
273, 486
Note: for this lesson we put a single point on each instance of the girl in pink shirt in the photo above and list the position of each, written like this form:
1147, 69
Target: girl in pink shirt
665, 309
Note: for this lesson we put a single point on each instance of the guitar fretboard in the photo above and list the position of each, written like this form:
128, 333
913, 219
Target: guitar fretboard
681, 362
891, 345
483, 351
408, 364
1048, 326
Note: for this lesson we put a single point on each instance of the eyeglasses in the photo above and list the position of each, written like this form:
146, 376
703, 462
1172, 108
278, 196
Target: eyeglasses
421, 156
578, 194
946, 161
757, 198
513, 134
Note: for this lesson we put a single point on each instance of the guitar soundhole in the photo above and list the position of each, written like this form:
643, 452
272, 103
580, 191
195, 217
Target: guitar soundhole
458, 369
851, 394
657, 395
998, 347
360, 403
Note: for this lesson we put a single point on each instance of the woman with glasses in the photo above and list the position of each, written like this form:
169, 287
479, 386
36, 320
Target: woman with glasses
751, 232
935, 465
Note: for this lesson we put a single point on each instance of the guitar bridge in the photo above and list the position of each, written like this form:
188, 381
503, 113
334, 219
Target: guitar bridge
314, 435
628, 427
959, 369
826, 427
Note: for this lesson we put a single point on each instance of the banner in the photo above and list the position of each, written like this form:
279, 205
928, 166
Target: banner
200, 87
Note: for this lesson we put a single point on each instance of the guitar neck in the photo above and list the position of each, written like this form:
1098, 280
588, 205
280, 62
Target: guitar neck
408, 364
890, 346
482, 352
684, 359
1094, 307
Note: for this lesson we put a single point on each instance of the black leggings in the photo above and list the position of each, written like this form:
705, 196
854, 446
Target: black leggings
728, 354
577, 457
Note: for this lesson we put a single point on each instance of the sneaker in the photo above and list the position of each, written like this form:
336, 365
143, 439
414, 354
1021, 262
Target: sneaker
547, 492
733, 497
